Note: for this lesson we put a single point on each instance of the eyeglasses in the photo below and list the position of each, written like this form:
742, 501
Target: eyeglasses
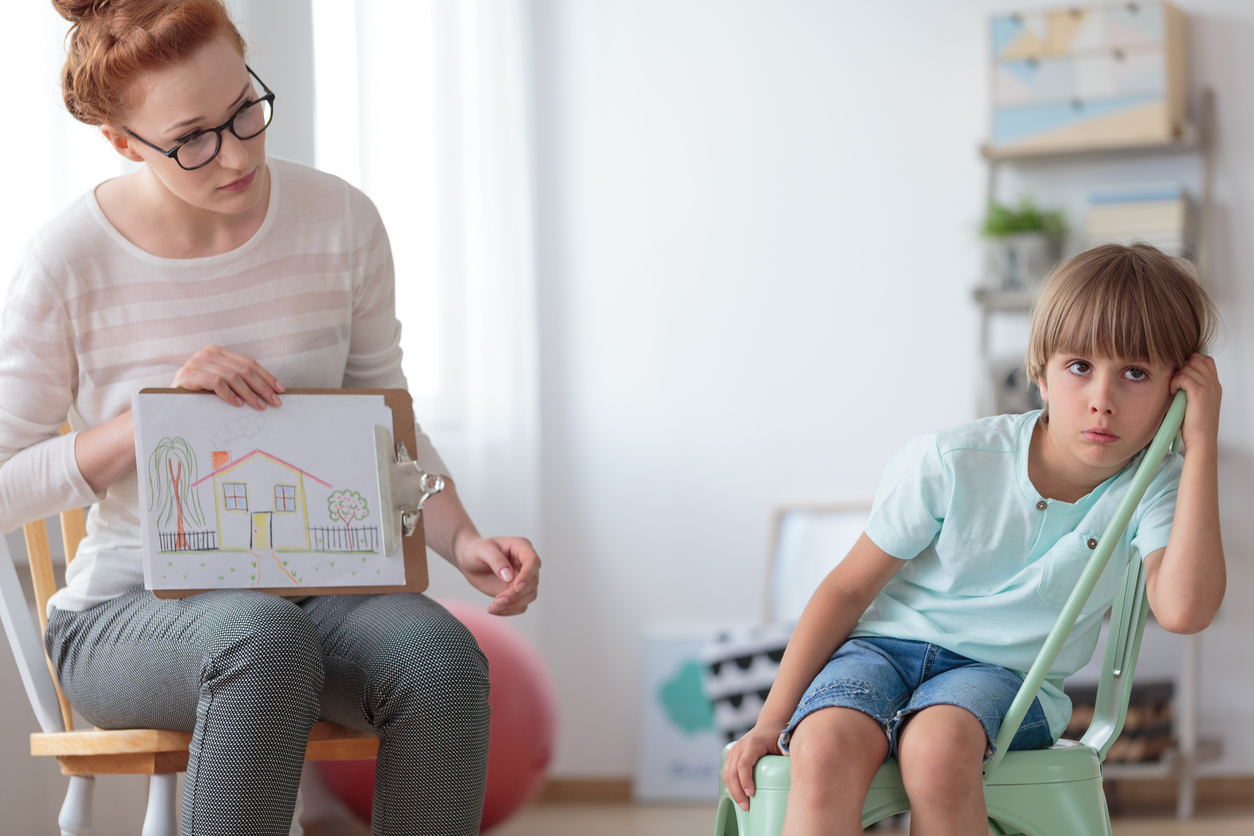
198, 149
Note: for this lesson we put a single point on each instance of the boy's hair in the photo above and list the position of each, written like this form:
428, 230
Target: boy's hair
1134, 302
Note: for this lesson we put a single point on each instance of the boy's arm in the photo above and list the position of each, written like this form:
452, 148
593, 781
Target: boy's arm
1185, 582
828, 619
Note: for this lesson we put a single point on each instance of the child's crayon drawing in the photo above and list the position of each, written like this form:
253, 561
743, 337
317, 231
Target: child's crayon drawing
261, 499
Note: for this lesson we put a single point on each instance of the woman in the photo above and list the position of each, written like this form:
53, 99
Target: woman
211, 268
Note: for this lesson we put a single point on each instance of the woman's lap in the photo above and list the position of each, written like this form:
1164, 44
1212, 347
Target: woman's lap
891, 679
249, 673
140, 661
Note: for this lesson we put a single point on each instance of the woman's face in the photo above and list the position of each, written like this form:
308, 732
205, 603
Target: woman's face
197, 94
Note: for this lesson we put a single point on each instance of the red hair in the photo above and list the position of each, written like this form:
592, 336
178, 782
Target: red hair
112, 42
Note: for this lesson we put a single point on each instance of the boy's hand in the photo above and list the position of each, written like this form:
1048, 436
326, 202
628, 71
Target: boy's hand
1201, 418
738, 767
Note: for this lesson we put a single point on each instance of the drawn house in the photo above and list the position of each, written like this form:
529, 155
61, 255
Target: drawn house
261, 502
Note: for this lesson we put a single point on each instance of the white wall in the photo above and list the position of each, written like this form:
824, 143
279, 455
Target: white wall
757, 244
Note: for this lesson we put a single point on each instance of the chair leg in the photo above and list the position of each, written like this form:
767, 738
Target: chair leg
75, 815
162, 816
1071, 808
297, 830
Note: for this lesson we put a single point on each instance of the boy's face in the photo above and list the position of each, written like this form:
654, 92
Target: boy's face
1103, 410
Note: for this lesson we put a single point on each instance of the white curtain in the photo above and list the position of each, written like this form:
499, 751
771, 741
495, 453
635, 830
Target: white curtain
51, 157
426, 106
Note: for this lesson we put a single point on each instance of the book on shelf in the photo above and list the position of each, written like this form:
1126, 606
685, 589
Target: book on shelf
1162, 215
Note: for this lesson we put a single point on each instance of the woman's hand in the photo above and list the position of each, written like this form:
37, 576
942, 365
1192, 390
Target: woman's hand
506, 568
744, 755
236, 378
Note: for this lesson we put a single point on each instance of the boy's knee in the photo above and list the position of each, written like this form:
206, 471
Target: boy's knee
837, 741
940, 753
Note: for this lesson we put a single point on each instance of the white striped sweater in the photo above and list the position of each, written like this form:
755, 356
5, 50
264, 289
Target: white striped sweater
91, 319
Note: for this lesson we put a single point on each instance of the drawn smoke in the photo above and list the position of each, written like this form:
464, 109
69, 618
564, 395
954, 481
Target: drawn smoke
245, 427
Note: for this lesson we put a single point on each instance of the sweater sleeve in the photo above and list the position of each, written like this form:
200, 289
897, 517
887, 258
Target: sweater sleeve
374, 353
39, 474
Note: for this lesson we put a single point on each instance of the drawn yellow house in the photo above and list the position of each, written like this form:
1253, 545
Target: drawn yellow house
261, 502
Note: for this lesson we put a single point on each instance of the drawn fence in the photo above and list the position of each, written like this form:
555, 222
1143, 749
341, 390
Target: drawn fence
188, 541
336, 539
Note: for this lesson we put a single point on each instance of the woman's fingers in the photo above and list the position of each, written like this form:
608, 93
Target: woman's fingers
235, 378
516, 606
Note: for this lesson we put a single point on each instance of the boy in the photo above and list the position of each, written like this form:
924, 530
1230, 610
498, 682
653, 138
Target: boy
912, 645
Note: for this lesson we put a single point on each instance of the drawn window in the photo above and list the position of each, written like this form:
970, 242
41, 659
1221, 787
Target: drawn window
285, 497
235, 496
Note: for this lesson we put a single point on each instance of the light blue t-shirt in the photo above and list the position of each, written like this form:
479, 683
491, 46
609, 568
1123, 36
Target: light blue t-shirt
988, 570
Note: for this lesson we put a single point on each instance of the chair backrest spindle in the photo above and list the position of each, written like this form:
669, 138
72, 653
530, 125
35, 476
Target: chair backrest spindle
44, 580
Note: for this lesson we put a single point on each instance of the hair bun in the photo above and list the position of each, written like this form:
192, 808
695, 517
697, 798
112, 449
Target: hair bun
76, 10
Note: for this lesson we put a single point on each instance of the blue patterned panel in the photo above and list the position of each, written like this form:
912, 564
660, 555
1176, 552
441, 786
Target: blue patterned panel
1013, 124
1005, 29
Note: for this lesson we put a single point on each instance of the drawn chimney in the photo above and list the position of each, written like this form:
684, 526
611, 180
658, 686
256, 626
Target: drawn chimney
220, 459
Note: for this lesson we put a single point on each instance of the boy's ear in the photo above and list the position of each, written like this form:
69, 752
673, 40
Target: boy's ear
1044, 390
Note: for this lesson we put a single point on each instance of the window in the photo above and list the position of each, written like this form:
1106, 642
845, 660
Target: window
285, 497
235, 496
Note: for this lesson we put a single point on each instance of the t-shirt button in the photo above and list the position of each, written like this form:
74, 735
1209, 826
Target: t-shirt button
1042, 505
1092, 543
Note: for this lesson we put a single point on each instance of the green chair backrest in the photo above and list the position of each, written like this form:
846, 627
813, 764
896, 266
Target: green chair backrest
1127, 617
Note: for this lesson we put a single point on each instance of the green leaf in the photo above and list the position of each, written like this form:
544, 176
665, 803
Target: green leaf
1003, 220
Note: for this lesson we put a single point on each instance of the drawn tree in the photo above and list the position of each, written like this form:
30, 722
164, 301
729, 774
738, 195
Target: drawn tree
347, 506
171, 471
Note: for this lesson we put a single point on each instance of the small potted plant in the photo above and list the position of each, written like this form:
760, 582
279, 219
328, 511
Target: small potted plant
1020, 244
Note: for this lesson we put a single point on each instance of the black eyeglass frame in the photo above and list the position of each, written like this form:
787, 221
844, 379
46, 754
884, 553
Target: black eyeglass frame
227, 125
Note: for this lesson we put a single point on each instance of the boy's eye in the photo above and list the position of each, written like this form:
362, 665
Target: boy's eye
1078, 367
1136, 374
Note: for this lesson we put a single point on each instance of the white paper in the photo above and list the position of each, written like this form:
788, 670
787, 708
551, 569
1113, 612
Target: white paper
238, 498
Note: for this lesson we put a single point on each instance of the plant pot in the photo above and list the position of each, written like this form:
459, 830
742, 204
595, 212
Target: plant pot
1017, 262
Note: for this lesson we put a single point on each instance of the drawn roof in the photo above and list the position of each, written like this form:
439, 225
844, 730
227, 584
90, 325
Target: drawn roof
237, 462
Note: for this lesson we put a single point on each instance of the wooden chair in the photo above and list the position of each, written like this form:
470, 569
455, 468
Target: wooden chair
84, 754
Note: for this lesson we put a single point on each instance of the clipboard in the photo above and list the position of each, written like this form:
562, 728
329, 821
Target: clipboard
403, 486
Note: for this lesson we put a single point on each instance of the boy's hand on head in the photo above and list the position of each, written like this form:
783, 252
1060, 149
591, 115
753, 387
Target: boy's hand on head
1200, 380
507, 568
738, 767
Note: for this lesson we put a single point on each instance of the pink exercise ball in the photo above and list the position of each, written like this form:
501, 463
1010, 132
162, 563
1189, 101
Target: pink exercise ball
524, 724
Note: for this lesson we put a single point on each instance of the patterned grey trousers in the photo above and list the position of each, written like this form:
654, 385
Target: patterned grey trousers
248, 674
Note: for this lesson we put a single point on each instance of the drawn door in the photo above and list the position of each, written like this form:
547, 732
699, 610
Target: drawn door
261, 530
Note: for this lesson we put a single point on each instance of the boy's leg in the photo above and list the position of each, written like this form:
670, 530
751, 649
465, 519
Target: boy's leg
835, 753
941, 753
945, 733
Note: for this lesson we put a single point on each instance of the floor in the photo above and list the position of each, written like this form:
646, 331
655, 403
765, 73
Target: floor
659, 820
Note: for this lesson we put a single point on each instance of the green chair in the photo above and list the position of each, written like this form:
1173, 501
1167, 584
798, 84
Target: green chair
1043, 792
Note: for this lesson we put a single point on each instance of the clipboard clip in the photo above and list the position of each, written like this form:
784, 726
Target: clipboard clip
404, 488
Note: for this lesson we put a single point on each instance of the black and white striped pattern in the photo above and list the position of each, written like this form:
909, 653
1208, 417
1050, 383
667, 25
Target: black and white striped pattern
249, 673
740, 668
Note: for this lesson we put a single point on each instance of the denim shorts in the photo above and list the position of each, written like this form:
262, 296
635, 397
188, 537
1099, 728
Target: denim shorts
890, 679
